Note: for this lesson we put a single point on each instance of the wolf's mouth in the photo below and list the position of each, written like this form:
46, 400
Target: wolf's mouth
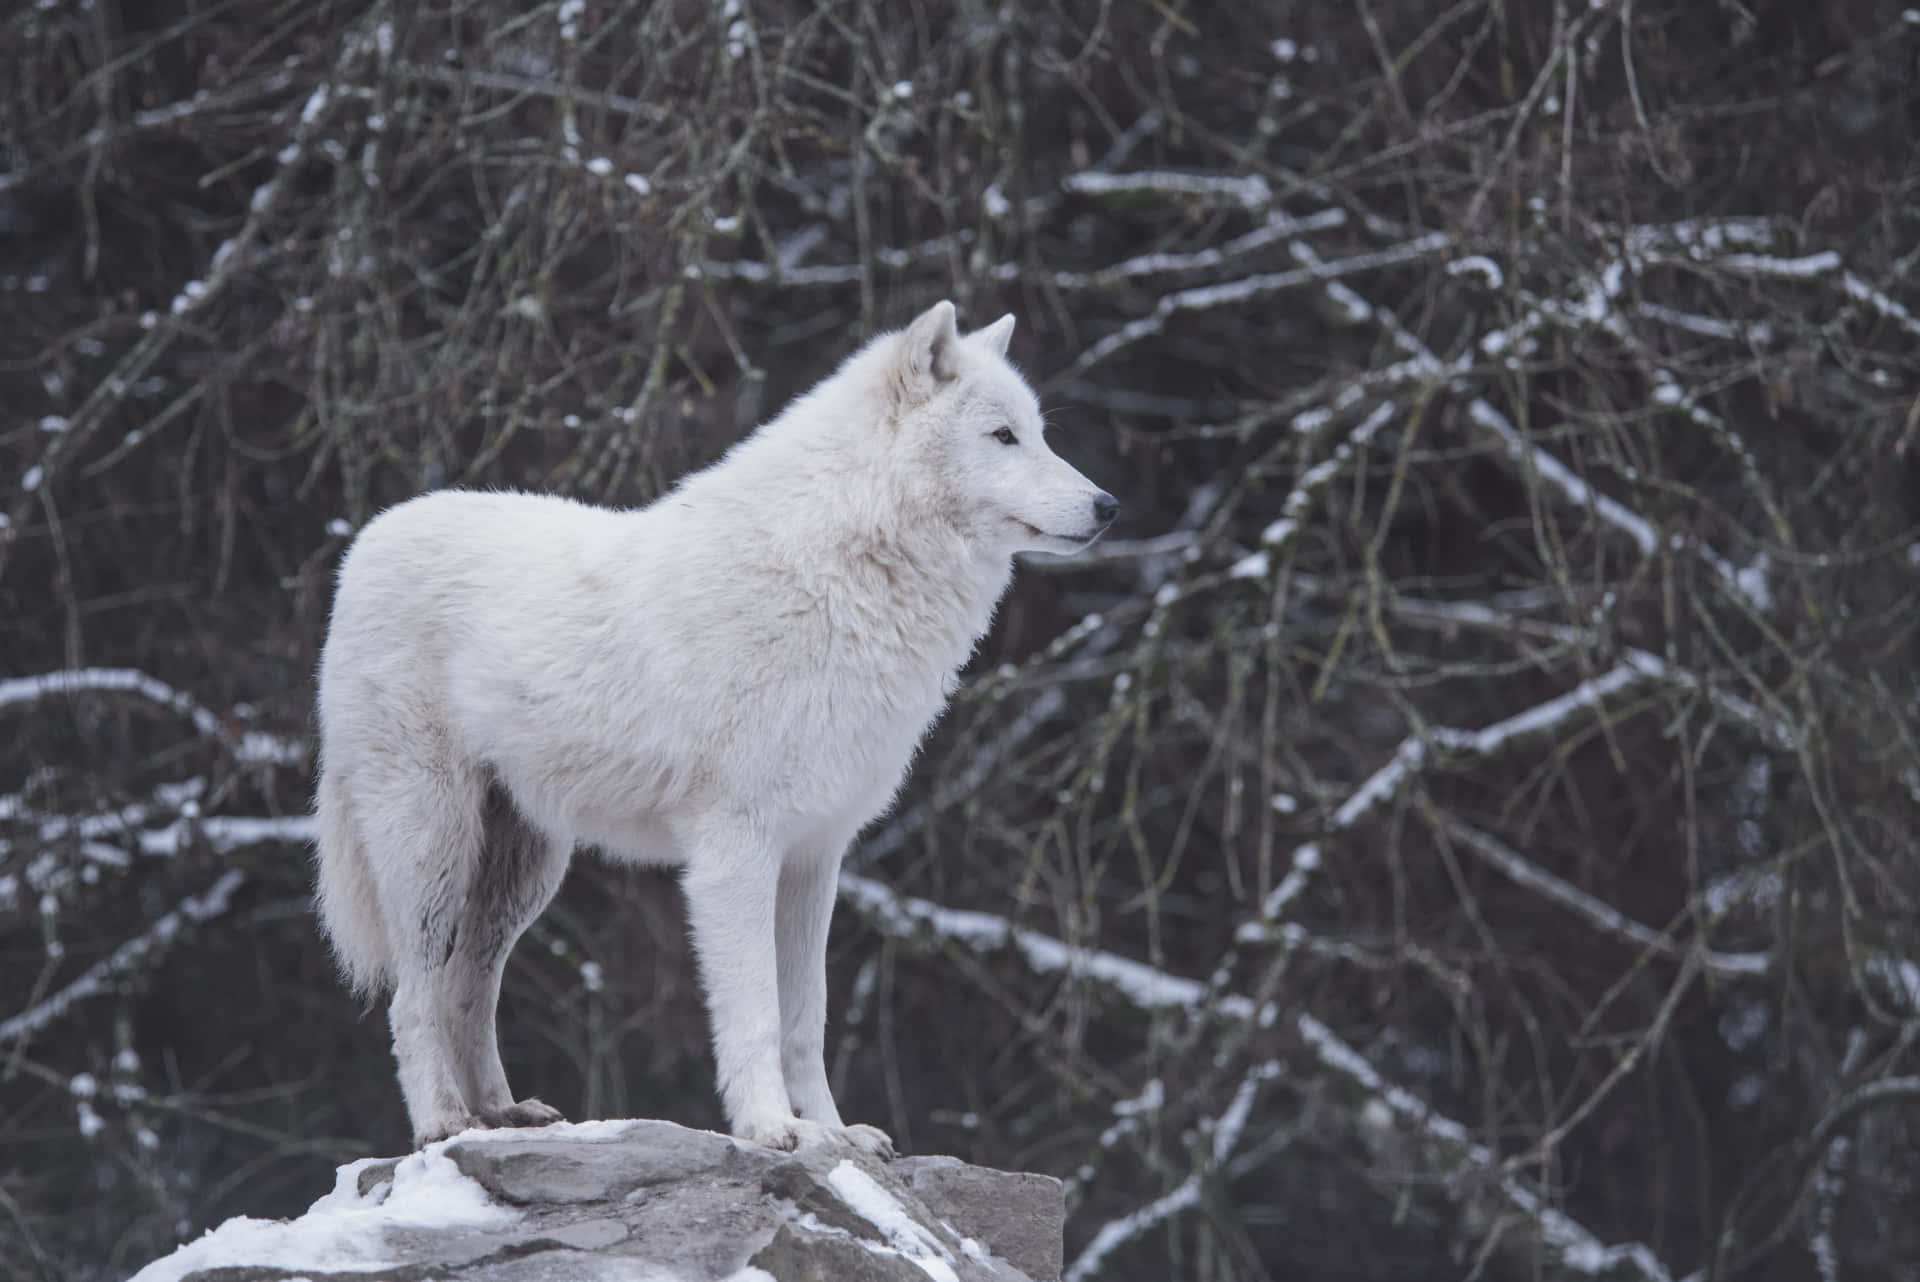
1049, 536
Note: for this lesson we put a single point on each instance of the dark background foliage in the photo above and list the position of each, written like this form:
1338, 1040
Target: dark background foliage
1497, 707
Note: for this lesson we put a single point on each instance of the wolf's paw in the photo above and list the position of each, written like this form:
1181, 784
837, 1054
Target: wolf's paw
790, 1133
528, 1112
869, 1139
785, 1133
445, 1128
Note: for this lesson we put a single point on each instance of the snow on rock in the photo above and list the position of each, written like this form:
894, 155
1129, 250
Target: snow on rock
646, 1200
349, 1228
905, 1236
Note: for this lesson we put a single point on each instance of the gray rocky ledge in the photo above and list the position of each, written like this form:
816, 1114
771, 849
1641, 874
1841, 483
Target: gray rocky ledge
643, 1201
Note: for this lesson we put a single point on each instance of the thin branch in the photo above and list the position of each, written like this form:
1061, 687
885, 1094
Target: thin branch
1598, 913
139, 951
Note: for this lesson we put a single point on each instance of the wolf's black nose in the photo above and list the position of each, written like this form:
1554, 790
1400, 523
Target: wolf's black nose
1105, 507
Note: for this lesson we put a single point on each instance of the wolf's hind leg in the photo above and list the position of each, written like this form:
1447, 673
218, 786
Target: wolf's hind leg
435, 1106
421, 820
519, 871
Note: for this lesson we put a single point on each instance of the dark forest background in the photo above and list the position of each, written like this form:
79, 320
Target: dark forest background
1460, 824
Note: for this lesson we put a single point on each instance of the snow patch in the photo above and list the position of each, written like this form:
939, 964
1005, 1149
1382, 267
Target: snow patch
1150, 1100
316, 103
874, 1204
1251, 567
1752, 583
1901, 977
345, 1230
256, 747
1478, 265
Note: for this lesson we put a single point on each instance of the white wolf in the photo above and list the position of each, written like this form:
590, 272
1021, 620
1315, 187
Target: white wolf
733, 679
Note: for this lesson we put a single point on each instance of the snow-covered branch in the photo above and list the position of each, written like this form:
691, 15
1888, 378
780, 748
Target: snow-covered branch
226, 265
1140, 985
66, 681
252, 747
1226, 1132
1597, 912
1450, 745
1416, 751
1251, 191
1405, 1132
1531, 459
1117, 1233
1442, 1144
130, 956
1246, 289
1595, 302
1773, 729
1278, 537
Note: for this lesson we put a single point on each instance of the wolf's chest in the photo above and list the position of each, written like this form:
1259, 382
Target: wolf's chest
876, 709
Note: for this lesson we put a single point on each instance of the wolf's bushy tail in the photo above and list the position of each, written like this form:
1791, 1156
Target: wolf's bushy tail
348, 900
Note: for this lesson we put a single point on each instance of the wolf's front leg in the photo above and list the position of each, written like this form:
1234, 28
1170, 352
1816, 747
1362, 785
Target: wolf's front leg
808, 886
732, 882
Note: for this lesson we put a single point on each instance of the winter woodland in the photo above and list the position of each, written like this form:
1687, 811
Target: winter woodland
1460, 824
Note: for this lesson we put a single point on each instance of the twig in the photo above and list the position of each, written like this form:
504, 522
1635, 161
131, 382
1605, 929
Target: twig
136, 952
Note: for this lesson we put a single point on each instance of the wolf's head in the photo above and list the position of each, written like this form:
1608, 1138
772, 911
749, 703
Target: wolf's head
972, 430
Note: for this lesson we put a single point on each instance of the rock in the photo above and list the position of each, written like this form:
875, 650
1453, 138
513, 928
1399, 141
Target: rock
529, 1171
644, 1202
1020, 1214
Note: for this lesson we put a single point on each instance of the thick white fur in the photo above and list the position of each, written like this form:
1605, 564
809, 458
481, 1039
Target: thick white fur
732, 680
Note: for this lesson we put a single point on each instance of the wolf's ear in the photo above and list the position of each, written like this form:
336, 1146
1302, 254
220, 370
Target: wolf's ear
995, 336
931, 352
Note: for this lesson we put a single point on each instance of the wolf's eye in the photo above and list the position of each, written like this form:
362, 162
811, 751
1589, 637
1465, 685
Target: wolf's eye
1006, 437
